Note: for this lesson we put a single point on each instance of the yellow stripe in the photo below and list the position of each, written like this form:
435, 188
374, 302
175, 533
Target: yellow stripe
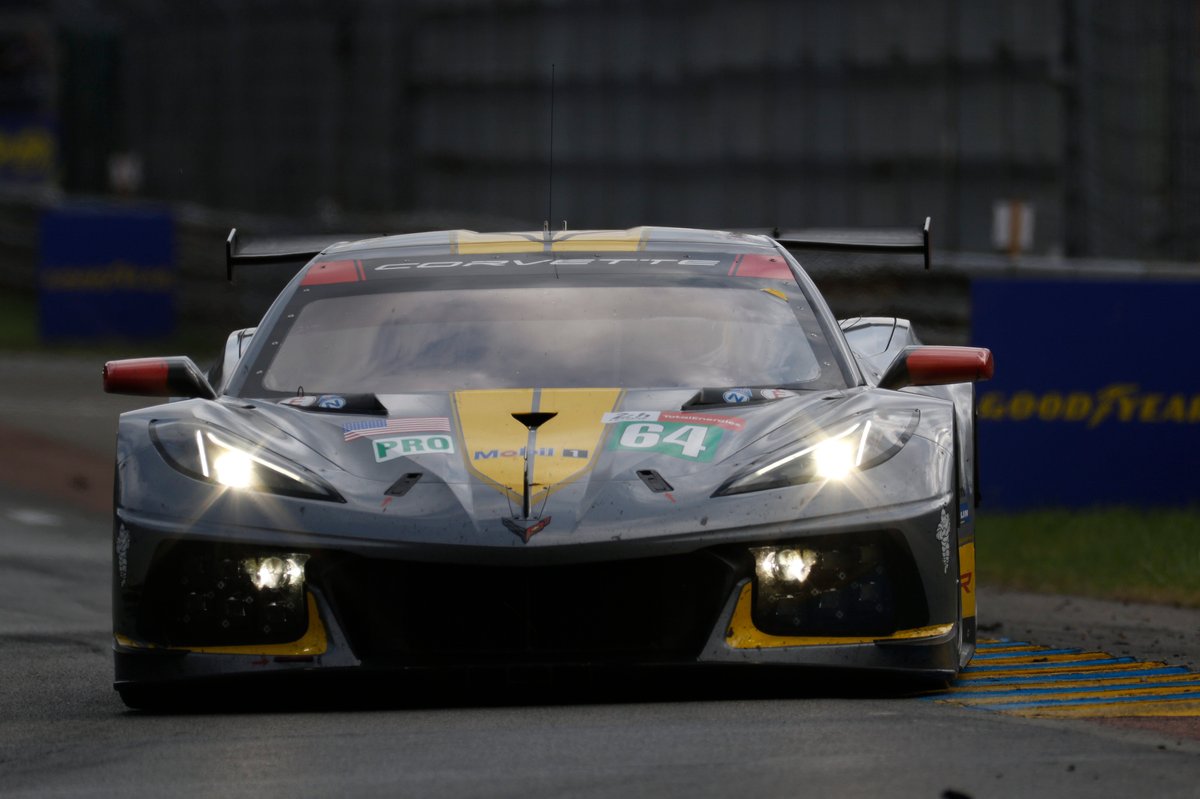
577, 426
630, 240
468, 242
493, 440
487, 426
966, 571
1100, 695
744, 635
1083, 682
1176, 707
1035, 658
313, 642
969, 676
1021, 648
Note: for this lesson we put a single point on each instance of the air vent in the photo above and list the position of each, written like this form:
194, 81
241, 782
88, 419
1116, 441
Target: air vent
654, 481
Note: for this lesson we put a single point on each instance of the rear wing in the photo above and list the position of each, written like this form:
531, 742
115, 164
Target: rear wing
859, 240
267, 250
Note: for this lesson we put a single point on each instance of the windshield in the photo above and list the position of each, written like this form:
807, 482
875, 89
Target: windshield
560, 335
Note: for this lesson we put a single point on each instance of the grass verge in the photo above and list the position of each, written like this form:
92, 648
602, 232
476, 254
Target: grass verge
1115, 553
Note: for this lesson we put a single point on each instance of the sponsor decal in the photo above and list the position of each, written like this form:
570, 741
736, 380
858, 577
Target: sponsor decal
331, 402
389, 267
693, 442
736, 396
545, 452
381, 427
734, 423
943, 537
629, 416
964, 581
299, 402
775, 393
1118, 402
386, 449
964, 514
564, 448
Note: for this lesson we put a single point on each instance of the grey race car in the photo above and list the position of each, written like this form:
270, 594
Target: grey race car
649, 446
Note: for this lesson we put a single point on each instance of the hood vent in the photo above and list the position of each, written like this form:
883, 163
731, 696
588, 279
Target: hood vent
654, 481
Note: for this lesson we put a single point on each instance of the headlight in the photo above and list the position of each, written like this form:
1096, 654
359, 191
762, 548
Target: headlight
218, 456
853, 445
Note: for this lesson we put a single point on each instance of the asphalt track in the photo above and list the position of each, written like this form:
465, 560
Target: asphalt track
1073, 697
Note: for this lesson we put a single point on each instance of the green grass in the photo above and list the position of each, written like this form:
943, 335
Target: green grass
1116, 553
18, 321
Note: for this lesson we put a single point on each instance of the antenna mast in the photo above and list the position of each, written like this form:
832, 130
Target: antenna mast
550, 187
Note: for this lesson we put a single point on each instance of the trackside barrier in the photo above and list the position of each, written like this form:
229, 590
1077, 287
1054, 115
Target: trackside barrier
1096, 399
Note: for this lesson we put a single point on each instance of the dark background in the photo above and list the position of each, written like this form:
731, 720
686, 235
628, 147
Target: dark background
679, 112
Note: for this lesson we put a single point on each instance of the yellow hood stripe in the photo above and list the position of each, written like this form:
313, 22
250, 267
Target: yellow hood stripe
564, 448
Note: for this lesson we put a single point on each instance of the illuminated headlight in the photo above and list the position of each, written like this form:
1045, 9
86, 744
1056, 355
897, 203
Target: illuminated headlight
788, 565
849, 447
275, 573
220, 457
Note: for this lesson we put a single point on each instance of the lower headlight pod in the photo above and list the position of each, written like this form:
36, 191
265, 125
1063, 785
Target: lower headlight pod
198, 596
853, 445
853, 585
218, 456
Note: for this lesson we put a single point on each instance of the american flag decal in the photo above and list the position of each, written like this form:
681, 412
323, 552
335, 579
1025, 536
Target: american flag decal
380, 427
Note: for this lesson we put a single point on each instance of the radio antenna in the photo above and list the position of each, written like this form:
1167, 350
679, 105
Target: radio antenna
550, 181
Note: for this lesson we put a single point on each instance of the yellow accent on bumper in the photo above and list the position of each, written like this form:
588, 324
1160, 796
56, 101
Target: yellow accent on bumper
966, 579
313, 642
742, 633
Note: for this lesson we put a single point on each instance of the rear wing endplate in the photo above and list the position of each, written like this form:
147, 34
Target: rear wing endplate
295, 250
860, 240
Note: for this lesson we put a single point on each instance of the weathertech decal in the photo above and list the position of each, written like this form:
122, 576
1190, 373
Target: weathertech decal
734, 423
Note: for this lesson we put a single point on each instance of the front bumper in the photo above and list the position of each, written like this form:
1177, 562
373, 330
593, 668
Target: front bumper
368, 612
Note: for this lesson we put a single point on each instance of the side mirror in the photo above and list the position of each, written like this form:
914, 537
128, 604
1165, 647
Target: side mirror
176, 376
938, 366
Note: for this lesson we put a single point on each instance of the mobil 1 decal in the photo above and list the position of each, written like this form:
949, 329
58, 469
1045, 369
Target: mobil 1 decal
693, 437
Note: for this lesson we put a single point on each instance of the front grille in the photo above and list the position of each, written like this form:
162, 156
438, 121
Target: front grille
638, 610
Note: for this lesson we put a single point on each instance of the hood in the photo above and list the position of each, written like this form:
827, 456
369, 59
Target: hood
528, 459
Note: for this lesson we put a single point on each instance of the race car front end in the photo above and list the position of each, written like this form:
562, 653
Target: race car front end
723, 567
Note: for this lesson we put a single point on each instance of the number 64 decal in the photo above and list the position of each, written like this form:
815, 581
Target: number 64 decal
689, 441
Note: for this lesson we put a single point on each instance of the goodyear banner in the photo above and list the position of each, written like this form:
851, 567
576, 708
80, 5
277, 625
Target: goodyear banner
1096, 399
105, 272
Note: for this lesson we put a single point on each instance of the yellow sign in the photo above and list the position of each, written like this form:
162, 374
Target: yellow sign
1117, 402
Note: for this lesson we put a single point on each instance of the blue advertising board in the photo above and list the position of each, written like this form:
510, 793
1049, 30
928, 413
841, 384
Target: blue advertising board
106, 271
1096, 398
